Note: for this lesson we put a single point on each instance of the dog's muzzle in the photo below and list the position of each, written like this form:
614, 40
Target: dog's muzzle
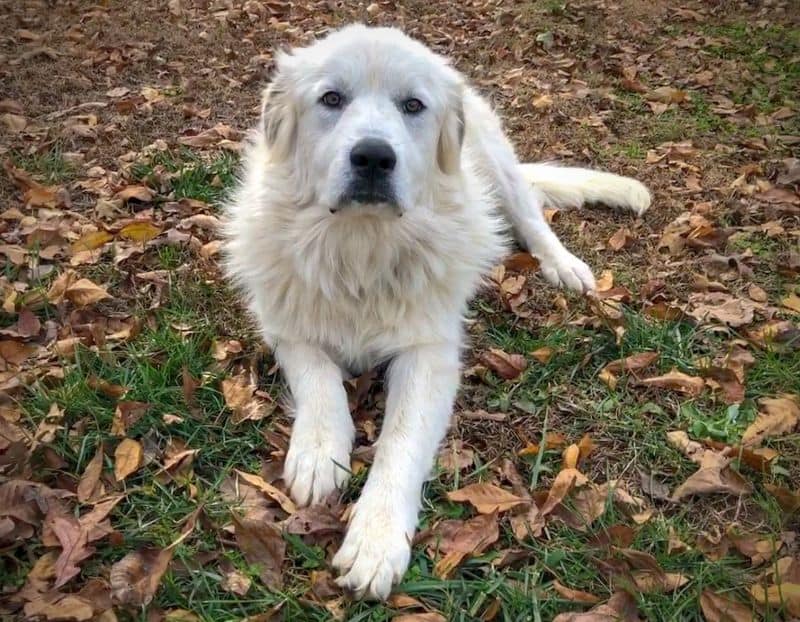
372, 161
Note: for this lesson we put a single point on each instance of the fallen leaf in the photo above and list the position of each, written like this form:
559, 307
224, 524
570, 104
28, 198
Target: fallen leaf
575, 596
89, 485
787, 499
781, 417
543, 355
667, 95
128, 457
239, 393
459, 539
784, 595
140, 231
57, 606
74, 547
83, 292
757, 293
135, 578
507, 366
621, 238
564, 482
428, 616
659, 583
235, 582
486, 498
138, 192
717, 608
634, 362
91, 241
268, 489
126, 414
621, 607
713, 476
262, 545
676, 381
759, 550
529, 523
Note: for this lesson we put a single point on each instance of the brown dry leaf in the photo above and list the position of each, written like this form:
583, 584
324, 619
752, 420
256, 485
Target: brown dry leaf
787, 499
83, 292
621, 238
15, 352
57, 606
486, 498
507, 366
713, 476
529, 523
553, 440
239, 392
781, 417
676, 381
460, 539
660, 583
575, 596
634, 362
792, 302
606, 281
521, 262
621, 607
235, 582
786, 595
428, 616
140, 231
135, 578
455, 457
91, 241
543, 355
758, 550
570, 457
89, 487
717, 608
126, 415
722, 307
262, 545
268, 489
138, 192
74, 547
565, 481
114, 391
691, 449
128, 458
667, 95
757, 293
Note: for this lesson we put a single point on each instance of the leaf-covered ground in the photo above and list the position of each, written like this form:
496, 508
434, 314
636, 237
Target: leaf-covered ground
636, 456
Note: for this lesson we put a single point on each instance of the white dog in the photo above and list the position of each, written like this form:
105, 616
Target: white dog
369, 210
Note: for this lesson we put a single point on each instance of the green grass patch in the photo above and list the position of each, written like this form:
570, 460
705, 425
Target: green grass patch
50, 167
187, 174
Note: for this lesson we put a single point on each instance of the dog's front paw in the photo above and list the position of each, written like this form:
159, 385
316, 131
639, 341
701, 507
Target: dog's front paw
315, 466
375, 552
566, 270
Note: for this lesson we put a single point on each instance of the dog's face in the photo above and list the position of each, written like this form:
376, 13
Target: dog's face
365, 118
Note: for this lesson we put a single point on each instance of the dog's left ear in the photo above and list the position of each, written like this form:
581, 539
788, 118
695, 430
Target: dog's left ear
451, 137
278, 115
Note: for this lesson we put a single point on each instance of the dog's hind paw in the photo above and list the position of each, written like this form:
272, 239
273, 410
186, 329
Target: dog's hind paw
375, 552
315, 467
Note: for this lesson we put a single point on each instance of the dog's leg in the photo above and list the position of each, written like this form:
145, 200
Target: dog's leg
422, 384
318, 460
570, 187
521, 204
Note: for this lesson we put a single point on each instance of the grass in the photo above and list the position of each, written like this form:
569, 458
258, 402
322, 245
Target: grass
50, 167
188, 174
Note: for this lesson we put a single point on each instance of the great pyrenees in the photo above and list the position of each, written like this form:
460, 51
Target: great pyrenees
375, 195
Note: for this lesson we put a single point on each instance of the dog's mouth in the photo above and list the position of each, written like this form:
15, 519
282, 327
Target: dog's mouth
363, 193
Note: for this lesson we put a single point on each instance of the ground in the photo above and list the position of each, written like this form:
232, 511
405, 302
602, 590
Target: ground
142, 426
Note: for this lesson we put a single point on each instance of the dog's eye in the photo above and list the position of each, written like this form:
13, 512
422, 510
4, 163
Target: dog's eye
331, 99
413, 106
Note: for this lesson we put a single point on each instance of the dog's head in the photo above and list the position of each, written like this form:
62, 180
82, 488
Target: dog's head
365, 119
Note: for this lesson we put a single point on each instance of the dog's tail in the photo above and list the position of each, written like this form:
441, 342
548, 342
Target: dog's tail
565, 187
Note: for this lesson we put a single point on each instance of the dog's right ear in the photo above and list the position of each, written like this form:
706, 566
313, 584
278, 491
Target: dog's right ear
278, 114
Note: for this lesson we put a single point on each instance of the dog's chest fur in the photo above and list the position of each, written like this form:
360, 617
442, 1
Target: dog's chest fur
362, 286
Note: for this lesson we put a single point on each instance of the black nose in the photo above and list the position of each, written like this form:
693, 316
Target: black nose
372, 157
